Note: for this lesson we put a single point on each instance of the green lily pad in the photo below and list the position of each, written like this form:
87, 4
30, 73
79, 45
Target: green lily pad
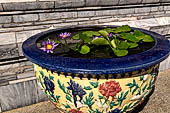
84, 49
129, 37
108, 30
76, 37
104, 33
85, 38
124, 28
120, 52
99, 41
90, 33
132, 45
144, 37
123, 45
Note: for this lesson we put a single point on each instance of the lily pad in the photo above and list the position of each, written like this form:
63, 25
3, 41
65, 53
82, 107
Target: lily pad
76, 37
129, 37
90, 33
124, 28
104, 33
123, 45
99, 41
120, 52
132, 45
84, 49
85, 38
144, 37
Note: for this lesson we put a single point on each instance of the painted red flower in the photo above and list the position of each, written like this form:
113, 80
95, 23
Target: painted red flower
109, 88
74, 111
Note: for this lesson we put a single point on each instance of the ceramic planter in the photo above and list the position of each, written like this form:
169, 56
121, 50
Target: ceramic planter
108, 85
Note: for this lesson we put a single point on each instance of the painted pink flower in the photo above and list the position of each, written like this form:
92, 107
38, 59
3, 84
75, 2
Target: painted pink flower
109, 88
48, 46
64, 35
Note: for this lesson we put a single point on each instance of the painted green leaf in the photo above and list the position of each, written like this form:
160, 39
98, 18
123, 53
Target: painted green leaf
129, 37
41, 82
101, 97
120, 52
94, 84
90, 33
61, 86
51, 77
91, 94
143, 89
42, 74
144, 37
58, 97
68, 98
87, 88
141, 78
134, 90
66, 106
84, 49
76, 37
112, 104
123, 45
124, 28
132, 45
99, 41
126, 93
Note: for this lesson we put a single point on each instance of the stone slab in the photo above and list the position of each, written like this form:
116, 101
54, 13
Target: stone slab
27, 6
7, 38
86, 14
6, 1
26, 75
130, 2
5, 19
41, 96
5, 78
18, 95
8, 66
69, 3
1, 9
101, 2
146, 23
151, 1
22, 36
25, 18
8, 51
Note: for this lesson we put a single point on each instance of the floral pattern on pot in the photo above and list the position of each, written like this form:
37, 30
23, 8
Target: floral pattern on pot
95, 96
110, 88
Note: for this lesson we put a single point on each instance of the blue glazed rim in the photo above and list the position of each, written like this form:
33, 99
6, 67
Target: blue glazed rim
125, 64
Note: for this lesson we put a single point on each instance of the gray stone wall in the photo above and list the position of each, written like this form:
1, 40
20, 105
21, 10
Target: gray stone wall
20, 20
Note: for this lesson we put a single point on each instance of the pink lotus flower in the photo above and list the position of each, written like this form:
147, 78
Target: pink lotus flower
48, 46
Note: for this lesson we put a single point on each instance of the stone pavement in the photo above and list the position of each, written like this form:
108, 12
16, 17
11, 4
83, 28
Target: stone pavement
158, 102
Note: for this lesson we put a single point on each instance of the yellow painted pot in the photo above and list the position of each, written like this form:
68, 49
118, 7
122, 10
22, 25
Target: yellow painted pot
108, 85
70, 92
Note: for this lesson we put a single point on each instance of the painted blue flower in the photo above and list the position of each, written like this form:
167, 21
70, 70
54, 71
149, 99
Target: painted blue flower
49, 85
115, 111
77, 90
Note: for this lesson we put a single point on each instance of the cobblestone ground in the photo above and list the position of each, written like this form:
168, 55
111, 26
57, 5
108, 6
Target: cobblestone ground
158, 102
